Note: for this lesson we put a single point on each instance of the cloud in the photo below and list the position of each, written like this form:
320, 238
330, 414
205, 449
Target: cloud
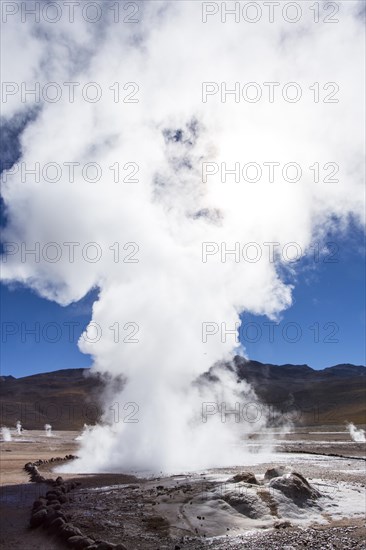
163, 219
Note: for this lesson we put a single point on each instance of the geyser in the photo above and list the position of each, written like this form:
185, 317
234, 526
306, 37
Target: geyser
5, 433
48, 430
18, 427
135, 223
357, 434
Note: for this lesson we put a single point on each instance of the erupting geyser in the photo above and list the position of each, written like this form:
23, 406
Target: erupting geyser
177, 247
48, 430
19, 428
357, 434
5, 433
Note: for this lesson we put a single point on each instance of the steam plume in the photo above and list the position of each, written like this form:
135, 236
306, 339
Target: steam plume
48, 430
6, 435
170, 212
357, 434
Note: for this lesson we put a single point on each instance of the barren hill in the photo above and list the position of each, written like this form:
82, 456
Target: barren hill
69, 398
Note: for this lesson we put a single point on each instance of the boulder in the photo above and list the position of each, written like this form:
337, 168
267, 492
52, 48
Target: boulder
295, 487
282, 524
277, 471
56, 524
104, 545
40, 503
68, 530
38, 518
79, 542
52, 515
247, 477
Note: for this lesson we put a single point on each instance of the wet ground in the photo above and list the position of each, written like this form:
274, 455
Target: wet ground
203, 509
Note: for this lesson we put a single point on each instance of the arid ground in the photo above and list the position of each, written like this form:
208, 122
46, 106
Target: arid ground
211, 509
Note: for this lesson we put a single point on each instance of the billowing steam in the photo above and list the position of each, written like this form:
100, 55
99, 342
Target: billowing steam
48, 430
18, 427
86, 430
156, 292
5, 434
357, 434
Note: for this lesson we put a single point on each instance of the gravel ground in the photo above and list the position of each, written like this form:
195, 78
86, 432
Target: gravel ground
129, 515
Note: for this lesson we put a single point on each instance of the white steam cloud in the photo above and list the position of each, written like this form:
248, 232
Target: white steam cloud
5, 434
357, 434
163, 299
48, 430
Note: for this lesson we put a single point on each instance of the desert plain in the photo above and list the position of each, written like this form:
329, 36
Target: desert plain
308, 491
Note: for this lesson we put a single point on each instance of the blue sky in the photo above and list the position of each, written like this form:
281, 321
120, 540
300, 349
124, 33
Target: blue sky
325, 326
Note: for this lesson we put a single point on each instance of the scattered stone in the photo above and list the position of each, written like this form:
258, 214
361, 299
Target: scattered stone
68, 530
79, 542
247, 477
282, 524
295, 487
40, 503
104, 545
38, 518
52, 515
55, 505
56, 524
277, 471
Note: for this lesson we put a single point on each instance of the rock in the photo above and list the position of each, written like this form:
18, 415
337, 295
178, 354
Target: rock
295, 487
39, 504
247, 477
52, 515
53, 502
68, 530
282, 524
55, 505
104, 545
277, 471
38, 518
79, 542
53, 495
56, 524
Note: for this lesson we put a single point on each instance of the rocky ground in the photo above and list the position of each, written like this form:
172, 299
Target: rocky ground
220, 509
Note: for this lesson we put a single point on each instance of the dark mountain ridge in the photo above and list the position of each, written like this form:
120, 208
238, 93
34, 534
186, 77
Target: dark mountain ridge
70, 398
